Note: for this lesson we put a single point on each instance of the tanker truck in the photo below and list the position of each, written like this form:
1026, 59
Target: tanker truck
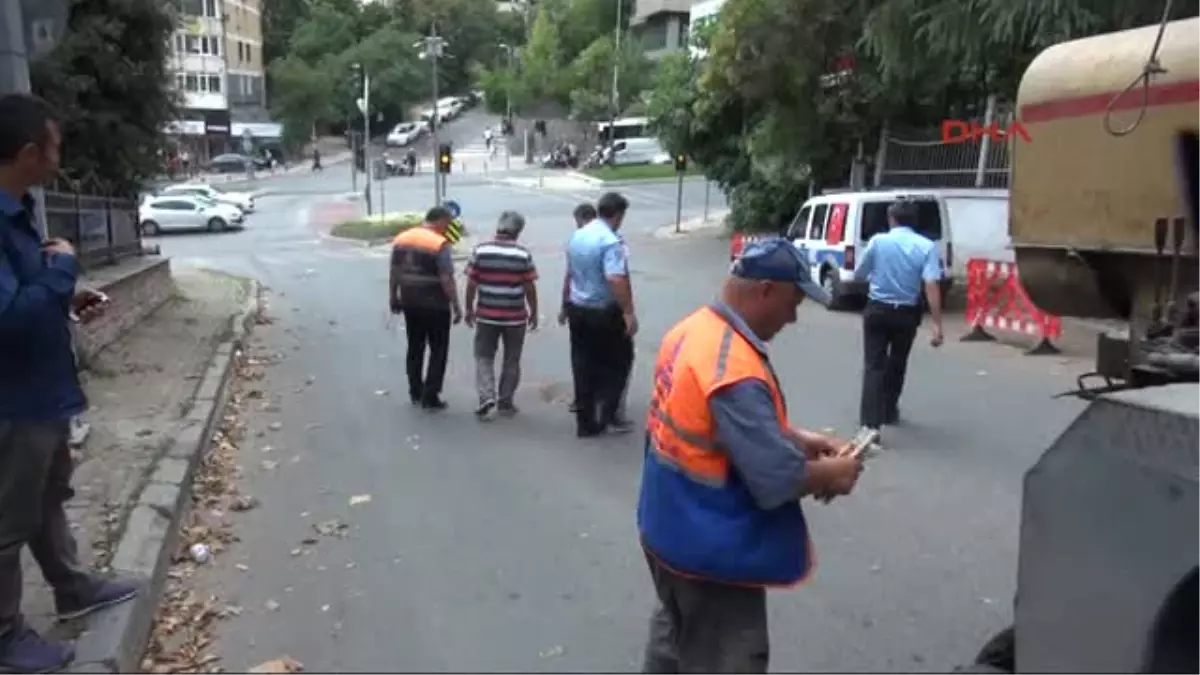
1107, 560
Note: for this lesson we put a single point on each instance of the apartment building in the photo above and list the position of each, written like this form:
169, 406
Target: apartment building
660, 25
247, 91
216, 58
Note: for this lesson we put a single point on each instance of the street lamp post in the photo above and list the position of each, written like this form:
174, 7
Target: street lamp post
511, 52
364, 106
616, 77
433, 48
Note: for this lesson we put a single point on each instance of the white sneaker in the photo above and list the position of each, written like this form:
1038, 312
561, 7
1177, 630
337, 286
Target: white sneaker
80, 428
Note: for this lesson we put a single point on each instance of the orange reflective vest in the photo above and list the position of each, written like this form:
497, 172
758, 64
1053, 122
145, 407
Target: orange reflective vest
415, 255
695, 514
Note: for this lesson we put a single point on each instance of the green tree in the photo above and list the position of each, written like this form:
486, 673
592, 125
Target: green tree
114, 94
303, 97
280, 19
542, 64
473, 29
589, 78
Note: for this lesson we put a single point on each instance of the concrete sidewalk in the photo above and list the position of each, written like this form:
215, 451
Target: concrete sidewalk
140, 389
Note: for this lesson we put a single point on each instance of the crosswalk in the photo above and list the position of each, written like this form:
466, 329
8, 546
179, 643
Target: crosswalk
475, 157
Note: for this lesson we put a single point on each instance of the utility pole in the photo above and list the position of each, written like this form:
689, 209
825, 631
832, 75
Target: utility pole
511, 51
433, 48
366, 110
616, 77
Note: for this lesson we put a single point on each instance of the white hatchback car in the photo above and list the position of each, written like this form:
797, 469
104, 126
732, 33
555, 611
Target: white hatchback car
188, 212
405, 133
242, 200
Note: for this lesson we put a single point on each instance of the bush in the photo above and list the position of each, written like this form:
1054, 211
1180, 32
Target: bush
378, 228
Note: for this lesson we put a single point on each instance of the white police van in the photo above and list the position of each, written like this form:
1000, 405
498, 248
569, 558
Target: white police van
831, 231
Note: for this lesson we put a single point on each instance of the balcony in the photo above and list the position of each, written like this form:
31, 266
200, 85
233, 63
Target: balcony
199, 63
203, 100
644, 9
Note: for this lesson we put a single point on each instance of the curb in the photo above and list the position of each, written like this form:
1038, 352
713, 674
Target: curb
695, 226
114, 639
579, 175
630, 182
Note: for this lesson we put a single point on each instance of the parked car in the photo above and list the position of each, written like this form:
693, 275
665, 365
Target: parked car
233, 162
242, 200
634, 151
405, 133
187, 212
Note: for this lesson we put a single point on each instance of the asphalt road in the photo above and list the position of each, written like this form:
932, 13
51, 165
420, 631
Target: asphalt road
511, 545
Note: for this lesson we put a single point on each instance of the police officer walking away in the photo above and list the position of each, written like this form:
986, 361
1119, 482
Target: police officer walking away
584, 213
719, 511
602, 318
421, 286
897, 264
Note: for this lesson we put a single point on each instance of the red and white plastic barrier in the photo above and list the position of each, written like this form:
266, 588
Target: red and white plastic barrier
739, 241
997, 300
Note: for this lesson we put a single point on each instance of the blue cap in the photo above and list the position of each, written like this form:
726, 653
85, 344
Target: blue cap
776, 259
453, 207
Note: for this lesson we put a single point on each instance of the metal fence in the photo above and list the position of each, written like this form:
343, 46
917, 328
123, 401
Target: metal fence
919, 158
103, 227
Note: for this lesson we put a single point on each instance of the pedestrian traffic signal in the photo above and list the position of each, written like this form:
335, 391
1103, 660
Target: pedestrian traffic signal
680, 163
445, 158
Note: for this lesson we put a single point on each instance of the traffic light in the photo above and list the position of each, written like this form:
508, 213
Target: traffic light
445, 158
680, 163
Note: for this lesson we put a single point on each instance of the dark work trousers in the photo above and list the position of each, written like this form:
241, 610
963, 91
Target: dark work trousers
35, 482
426, 328
705, 627
888, 334
601, 356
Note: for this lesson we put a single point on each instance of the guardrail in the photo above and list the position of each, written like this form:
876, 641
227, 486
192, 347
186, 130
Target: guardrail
102, 226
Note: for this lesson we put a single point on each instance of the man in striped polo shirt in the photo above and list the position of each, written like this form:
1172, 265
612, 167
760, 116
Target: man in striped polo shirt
501, 301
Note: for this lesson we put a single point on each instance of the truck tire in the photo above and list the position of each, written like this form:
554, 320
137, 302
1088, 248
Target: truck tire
979, 668
999, 655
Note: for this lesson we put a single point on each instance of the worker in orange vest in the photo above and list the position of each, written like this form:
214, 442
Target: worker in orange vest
719, 512
421, 287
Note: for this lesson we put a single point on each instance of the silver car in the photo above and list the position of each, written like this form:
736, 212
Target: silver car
188, 212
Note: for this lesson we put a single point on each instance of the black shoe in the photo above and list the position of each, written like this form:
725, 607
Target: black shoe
573, 408
588, 432
415, 397
433, 404
507, 409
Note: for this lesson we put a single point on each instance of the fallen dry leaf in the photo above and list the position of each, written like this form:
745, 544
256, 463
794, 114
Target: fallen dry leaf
283, 664
243, 503
332, 528
184, 625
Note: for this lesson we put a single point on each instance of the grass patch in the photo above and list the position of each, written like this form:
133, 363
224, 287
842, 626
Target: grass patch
639, 172
377, 228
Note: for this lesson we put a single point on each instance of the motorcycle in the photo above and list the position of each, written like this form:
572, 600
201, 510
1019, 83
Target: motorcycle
561, 158
394, 167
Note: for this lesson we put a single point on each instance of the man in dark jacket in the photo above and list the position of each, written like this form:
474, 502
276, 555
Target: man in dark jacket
39, 394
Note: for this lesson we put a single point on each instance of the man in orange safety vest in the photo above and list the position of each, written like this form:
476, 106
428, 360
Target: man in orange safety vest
719, 512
